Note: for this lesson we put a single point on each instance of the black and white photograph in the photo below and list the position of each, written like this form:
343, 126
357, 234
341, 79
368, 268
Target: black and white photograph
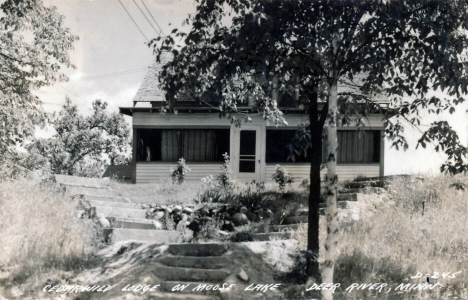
233, 149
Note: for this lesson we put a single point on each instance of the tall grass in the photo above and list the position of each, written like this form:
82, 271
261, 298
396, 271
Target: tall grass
39, 231
425, 231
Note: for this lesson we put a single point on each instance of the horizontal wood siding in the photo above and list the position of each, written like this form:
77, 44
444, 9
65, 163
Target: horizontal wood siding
345, 172
155, 172
212, 120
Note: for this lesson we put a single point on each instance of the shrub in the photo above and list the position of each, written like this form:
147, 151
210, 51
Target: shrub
281, 177
179, 172
225, 178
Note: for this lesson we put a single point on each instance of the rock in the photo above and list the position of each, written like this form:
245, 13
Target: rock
157, 224
204, 211
242, 275
204, 220
177, 208
187, 210
194, 226
223, 233
226, 216
228, 226
158, 215
243, 210
252, 217
168, 210
240, 219
104, 223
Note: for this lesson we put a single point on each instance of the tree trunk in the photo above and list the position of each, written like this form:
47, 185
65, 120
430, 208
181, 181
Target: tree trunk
331, 186
314, 190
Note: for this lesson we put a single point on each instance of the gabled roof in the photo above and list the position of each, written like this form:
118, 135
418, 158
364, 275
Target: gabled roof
149, 90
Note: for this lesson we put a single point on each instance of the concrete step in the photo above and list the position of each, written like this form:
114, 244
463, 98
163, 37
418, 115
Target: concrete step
200, 287
296, 220
115, 235
340, 204
198, 249
198, 262
368, 190
178, 296
290, 227
118, 212
110, 204
132, 223
101, 198
191, 274
348, 197
364, 184
83, 181
95, 191
271, 236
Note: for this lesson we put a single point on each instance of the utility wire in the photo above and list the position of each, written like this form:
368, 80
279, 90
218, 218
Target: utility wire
134, 21
153, 18
71, 92
111, 74
146, 18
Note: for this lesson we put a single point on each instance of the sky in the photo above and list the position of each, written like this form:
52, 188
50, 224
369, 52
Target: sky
112, 57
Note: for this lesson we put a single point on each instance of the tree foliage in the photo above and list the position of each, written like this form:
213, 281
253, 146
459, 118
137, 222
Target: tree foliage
341, 57
82, 145
34, 46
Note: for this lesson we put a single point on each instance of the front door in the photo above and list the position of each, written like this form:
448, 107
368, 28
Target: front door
247, 162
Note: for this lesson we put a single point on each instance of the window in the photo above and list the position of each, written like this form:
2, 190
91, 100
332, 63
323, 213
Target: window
194, 145
353, 147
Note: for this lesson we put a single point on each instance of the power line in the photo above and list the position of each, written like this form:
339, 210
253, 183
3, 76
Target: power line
153, 18
71, 92
128, 72
134, 21
146, 18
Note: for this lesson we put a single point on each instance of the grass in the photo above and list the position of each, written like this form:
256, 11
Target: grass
425, 231
40, 233
164, 192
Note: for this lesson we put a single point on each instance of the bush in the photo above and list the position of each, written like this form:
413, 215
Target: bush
281, 177
179, 172
225, 178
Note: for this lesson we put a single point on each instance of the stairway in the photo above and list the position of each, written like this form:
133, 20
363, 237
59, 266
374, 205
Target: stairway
124, 220
347, 198
192, 271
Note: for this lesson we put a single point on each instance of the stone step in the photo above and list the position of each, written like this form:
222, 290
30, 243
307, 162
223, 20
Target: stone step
101, 198
340, 204
271, 236
115, 235
296, 220
198, 249
110, 204
178, 296
191, 274
200, 287
198, 262
348, 197
290, 227
364, 184
95, 191
117, 212
369, 190
132, 223
84, 181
